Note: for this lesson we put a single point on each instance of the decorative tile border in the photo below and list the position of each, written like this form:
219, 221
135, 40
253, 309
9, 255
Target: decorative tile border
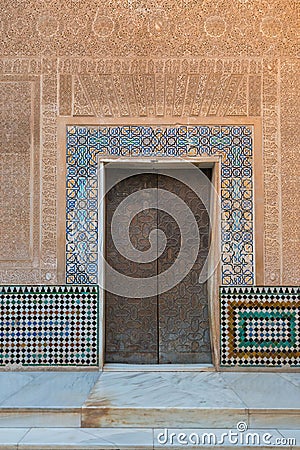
49, 326
260, 326
234, 145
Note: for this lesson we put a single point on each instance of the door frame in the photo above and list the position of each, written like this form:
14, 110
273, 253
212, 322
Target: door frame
258, 210
213, 261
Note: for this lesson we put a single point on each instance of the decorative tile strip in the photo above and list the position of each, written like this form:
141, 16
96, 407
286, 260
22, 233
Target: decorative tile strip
260, 326
48, 326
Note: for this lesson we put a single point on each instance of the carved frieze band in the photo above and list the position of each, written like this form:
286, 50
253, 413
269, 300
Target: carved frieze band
160, 88
166, 28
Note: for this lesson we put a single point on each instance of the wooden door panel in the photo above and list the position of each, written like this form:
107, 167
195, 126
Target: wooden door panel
172, 327
183, 310
131, 323
131, 330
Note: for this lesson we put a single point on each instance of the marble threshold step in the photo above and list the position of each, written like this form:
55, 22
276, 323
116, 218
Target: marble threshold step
44, 399
140, 399
144, 438
194, 399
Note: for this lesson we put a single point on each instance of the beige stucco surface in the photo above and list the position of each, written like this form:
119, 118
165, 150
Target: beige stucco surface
135, 60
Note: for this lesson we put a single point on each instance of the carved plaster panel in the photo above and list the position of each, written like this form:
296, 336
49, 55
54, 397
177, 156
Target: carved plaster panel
160, 88
144, 28
19, 175
290, 169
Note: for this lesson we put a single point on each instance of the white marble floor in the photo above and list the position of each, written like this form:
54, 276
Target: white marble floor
194, 399
190, 389
45, 389
145, 438
44, 399
92, 400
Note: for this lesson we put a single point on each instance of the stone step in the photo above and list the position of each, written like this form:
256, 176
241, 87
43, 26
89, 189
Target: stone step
144, 438
150, 399
40, 417
44, 399
179, 417
99, 417
195, 399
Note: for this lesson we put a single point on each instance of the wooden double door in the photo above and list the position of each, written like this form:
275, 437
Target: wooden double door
171, 326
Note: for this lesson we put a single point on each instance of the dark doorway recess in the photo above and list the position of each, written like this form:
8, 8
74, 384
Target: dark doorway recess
172, 326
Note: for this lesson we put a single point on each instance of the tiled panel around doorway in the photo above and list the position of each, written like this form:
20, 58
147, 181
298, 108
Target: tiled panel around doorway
234, 146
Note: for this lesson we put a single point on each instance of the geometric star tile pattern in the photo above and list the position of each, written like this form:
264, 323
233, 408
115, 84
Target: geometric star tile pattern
234, 146
49, 326
260, 326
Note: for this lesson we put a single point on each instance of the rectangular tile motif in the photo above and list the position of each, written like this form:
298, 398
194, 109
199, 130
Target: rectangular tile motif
260, 326
48, 325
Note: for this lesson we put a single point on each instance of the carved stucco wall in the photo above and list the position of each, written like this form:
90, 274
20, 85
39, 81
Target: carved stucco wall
139, 59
